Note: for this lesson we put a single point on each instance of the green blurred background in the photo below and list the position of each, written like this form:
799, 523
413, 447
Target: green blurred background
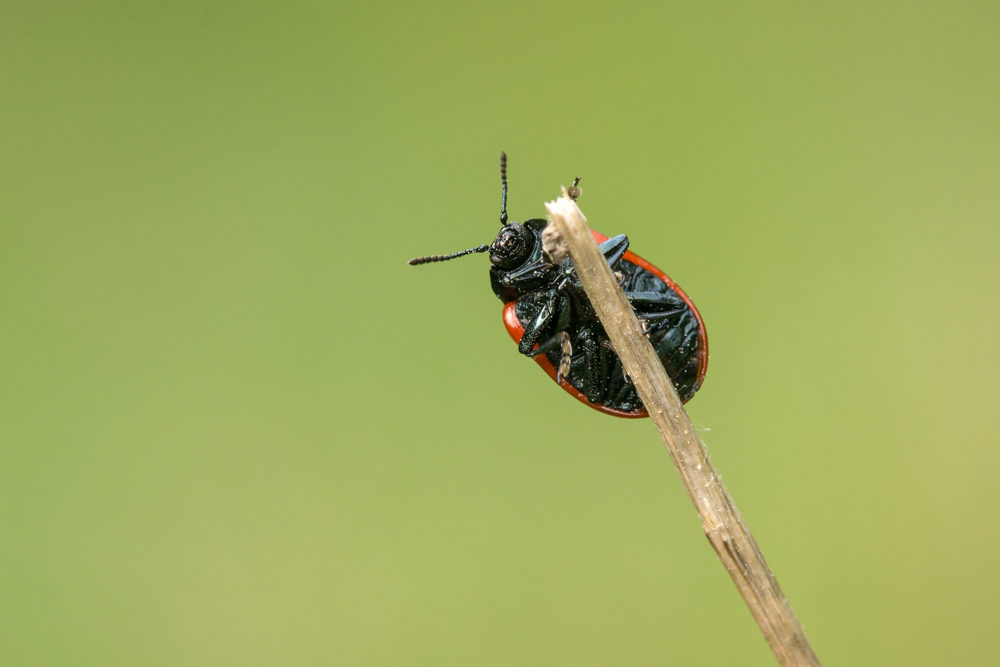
236, 428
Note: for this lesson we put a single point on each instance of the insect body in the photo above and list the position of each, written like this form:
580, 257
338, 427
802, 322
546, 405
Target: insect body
548, 314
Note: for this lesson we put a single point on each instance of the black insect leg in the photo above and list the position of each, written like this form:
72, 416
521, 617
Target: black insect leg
531, 273
592, 385
541, 324
614, 248
560, 340
656, 305
625, 393
618, 389
610, 365
555, 307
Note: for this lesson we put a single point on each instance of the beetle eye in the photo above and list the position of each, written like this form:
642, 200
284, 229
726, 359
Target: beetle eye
512, 246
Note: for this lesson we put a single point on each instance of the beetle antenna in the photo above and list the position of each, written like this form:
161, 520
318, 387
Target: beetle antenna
444, 258
503, 182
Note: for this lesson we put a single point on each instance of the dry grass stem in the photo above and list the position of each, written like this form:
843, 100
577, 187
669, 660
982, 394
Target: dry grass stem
723, 524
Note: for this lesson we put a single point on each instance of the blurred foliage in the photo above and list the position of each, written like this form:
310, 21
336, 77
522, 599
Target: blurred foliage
236, 429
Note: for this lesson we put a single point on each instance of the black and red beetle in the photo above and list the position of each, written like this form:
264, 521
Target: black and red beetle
548, 315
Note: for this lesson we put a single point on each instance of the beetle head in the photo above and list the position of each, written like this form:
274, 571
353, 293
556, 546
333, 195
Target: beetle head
512, 246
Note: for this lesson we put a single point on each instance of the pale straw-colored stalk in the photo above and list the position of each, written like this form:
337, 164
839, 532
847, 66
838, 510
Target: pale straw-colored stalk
723, 524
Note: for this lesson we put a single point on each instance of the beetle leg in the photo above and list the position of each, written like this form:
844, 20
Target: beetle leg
656, 305
567, 356
609, 365
550, 344
560, 340
537, 327
659, 317
532, 271
623, 392
564, 312
614, 248
592, 366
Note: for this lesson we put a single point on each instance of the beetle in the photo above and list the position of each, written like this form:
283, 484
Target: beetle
549, 316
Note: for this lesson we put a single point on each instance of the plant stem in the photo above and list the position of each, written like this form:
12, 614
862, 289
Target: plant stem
723, 524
